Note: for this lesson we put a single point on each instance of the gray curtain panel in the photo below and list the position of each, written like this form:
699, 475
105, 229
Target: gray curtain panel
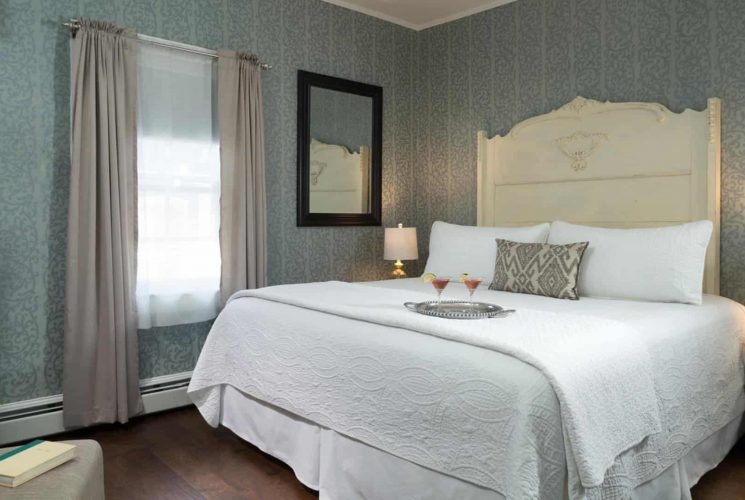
101, 382
242, 187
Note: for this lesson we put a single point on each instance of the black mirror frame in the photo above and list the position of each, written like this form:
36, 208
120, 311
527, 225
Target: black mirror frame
306, 80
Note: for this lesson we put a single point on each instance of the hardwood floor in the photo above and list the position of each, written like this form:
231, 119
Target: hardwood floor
176, 455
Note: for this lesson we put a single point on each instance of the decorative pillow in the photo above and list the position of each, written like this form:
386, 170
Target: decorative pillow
661, 264
455, 249
538, 268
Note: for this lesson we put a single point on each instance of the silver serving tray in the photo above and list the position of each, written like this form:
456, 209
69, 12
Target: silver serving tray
458, 309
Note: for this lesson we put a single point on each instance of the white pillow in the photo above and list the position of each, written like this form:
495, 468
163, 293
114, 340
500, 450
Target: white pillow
457, 249
663, 264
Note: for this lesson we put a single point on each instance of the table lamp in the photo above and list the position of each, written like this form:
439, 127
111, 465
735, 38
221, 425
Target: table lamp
400, 244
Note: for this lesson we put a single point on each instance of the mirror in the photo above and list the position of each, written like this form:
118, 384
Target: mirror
339, 151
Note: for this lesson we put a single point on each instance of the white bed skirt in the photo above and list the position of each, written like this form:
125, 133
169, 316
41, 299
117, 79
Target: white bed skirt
341, 468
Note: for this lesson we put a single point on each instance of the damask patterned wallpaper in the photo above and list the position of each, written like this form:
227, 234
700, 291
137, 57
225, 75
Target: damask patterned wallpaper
34, 156
494, 69
487, 71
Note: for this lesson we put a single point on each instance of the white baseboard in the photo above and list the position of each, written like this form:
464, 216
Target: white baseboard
21, 429
165, 400
50, 422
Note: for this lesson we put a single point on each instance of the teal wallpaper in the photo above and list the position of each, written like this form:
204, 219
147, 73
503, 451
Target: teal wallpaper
441, 85
496, 68
34, 156
340, 118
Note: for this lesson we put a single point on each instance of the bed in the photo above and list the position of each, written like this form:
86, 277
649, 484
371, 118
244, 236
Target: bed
365, 400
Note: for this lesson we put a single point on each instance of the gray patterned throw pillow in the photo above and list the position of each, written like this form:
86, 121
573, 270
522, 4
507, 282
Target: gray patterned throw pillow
538, 268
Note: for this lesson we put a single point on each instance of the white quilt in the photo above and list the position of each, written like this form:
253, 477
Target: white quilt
584, 357
600, 369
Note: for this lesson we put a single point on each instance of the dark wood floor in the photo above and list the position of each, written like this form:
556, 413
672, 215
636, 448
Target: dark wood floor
176, 455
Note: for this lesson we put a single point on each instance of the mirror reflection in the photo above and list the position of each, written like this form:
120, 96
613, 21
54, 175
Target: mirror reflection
340, 143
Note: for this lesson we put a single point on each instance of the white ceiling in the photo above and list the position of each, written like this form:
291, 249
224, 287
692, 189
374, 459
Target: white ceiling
419, 14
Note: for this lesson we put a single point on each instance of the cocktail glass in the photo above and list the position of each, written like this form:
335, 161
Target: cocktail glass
471, 284
440, 284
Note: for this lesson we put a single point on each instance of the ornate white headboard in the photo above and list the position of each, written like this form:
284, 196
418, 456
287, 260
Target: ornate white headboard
609, 164
339, 179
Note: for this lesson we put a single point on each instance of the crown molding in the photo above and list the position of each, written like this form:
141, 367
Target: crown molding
465, 13
422, 26
373, 13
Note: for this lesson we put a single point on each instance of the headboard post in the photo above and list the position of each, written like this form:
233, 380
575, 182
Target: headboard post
481, 163
711, 280
624, 164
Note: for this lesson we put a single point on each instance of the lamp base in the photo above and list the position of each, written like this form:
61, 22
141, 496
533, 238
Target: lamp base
398, 272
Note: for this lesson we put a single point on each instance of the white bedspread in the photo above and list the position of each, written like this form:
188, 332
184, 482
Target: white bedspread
601, 370
584, 357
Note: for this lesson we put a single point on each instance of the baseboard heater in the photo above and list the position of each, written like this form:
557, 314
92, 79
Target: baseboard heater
38, 417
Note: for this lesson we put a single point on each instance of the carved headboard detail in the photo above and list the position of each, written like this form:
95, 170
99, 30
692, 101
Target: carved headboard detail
615, 164
339, 178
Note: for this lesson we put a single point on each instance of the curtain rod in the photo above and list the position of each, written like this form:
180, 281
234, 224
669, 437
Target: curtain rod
74, 24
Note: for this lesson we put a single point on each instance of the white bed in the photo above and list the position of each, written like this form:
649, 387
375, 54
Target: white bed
360, 408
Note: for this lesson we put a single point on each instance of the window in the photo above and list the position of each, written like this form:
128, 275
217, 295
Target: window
178, 175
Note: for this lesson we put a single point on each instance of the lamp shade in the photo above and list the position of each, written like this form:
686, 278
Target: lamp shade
400, 243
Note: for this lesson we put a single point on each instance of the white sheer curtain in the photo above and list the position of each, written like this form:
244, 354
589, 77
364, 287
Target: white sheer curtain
178, 268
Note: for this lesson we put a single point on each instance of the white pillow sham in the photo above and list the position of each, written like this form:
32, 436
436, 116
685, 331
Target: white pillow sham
663, 264
455, 249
